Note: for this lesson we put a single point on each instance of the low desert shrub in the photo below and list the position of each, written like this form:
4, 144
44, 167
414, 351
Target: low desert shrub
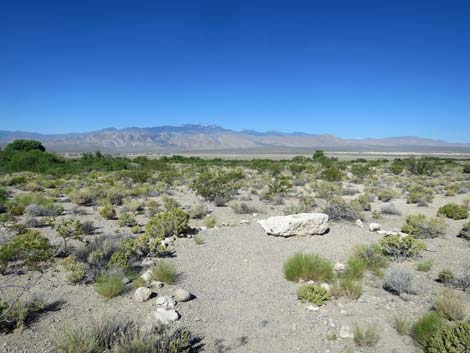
399, 281
339, 210
390, 209
449, 304
198, 212
385, 195
17, 313
453, 211
465, 231
88, 227
421, 227
424, 265
313, 293
109, 284
366, 336
423, 330
108, 212
69, 229
400, 248
371, 257
26, 250
166, 224
127, 219
198, 239
451, 338
75, 270
308, 267
165, 272
242, 208
419, 194
445, 276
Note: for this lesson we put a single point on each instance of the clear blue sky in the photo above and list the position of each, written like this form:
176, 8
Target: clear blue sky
350, 68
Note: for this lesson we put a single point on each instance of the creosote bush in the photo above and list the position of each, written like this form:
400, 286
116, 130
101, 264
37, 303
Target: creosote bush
308, 267
453, 211
400, 248
422, 227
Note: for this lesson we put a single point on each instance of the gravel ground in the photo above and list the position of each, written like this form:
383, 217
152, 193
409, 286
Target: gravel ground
243, 303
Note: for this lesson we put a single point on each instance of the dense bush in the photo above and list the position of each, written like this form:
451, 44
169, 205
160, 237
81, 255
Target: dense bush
338, 209
465, 231
312, 293
27, 249
400, 248
308, 267
220, 184
419, 194
453, 211
421, 227
399, 281
427, 326
450, 339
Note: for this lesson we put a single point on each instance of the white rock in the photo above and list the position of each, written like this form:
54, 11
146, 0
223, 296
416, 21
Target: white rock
142, 294
182, 295
325, 286
339, 267
359, 223
63, 199
147, 276
346, 332
165, 316
244, 221
381, 232
296, 224
166, 302
373, 227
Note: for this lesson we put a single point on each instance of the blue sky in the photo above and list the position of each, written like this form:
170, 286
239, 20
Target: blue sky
351, 68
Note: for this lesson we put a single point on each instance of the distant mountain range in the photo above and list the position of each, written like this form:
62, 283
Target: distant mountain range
200, 138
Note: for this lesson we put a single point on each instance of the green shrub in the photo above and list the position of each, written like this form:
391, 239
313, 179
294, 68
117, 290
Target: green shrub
312, 293
421, 227
75, 270
423, 330
424, 265
108, 212
166, 224
385, 195
465, 231
22, 145
449, 304
400, 248
17, 313
164, 272
27, 249
450, 339
466, 168
370, 256
222, 184
119, 260
332, 174
127, 220
338, 209
69, 229
367, 336
445, 276
419, 194
453, 211
109, 285
308, 267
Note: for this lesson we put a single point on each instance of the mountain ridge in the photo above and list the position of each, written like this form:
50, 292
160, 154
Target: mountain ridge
196, 137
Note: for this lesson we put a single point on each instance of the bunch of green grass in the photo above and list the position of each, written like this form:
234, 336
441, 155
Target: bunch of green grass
366, 257
346, 286
308, 267
424, 265
164, 272
109, 285
423, 330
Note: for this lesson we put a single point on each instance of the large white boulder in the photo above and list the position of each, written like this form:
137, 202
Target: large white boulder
296, 224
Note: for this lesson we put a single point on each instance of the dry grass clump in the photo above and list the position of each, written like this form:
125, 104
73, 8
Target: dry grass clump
449, 304
366, 336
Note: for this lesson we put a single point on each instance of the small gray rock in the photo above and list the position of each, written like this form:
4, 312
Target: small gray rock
166, 302
166, 316
142, 294
346, 332
182, 295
